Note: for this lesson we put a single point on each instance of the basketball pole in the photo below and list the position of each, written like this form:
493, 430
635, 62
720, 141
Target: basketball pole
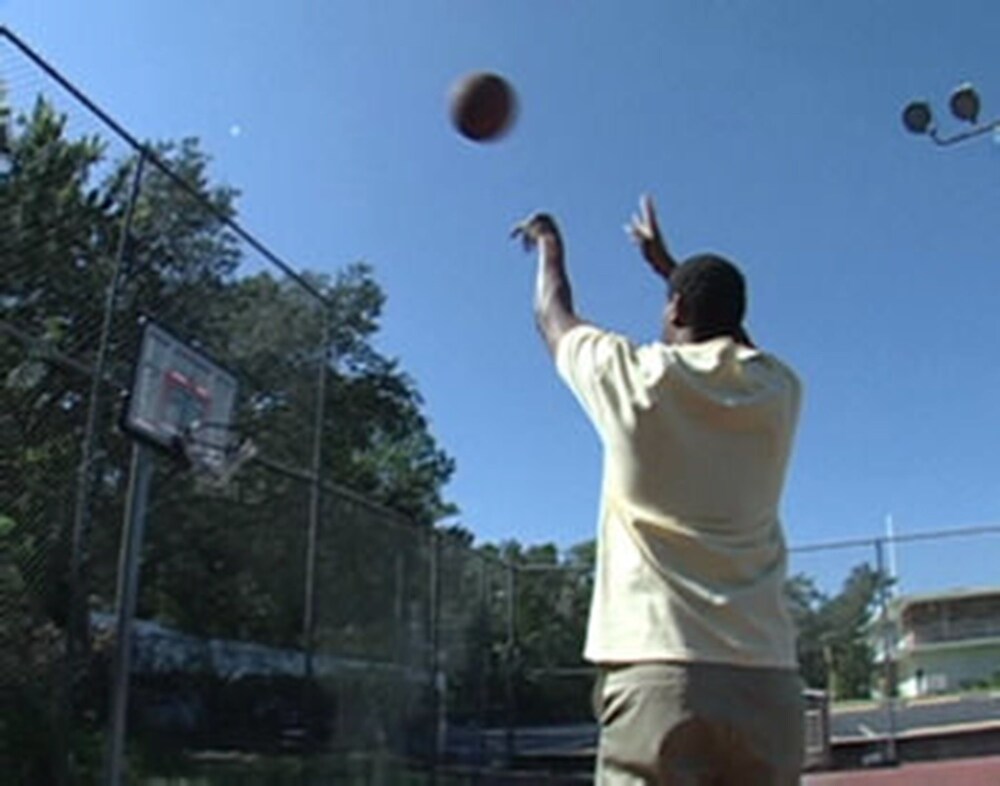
129, 561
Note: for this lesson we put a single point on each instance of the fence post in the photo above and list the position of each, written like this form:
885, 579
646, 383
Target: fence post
484, 634
510, 659
399, 632
307, 701
888, 645
315, 501
77, 622
437, 699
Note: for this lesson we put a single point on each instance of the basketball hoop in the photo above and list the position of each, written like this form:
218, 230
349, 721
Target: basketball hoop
182, 403
215, 452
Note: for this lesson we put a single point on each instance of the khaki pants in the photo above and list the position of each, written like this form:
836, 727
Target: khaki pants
667, 724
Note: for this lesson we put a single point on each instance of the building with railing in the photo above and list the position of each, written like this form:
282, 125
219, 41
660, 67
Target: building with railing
947, 641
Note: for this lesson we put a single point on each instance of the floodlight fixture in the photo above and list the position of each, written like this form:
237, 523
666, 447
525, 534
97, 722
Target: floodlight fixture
964, 103
918, 117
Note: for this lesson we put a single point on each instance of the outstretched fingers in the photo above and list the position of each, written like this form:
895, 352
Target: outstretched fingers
642, 227
649, 215
644, 230
532, 228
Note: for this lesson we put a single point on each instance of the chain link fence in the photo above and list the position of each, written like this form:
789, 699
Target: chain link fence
283, 616
897, 643
319, 635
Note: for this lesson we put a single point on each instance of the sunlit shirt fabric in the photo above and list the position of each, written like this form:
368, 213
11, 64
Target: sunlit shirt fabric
691, 556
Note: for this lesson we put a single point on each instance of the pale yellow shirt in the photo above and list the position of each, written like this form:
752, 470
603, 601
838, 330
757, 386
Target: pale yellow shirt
691, 557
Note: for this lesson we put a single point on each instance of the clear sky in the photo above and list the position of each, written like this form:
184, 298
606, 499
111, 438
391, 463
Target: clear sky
768, 131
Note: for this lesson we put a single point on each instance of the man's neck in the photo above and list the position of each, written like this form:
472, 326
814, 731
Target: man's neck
688, 335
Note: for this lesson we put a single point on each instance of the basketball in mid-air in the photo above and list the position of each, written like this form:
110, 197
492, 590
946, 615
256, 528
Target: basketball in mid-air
483, 106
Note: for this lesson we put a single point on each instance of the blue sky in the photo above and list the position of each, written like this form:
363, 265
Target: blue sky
768, 131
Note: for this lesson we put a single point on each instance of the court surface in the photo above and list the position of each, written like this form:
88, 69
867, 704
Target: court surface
954, 772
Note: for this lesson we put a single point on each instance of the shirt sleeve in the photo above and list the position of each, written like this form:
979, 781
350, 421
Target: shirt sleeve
603, 371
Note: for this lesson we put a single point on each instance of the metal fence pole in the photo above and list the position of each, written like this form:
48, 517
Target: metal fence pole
315, 502
399, 632
307, 701
483, 631
77, 632
888, 644
509, 660
437, 704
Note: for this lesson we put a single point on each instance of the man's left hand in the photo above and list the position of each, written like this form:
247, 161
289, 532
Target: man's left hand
644, 230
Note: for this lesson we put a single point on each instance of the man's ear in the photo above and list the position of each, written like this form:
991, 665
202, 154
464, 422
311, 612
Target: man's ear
677, 310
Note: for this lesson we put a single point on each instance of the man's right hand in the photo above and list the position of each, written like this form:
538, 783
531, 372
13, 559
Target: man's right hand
645, 233
534, 228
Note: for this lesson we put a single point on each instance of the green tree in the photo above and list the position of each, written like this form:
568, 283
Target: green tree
227, 567
541, 671
275, 335
835, 632
805, 601
54, 239
376, 443
53, 233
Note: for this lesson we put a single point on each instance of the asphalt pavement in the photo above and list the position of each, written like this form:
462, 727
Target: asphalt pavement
847, 722
910, 716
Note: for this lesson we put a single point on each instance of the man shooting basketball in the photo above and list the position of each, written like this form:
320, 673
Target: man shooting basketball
688, 625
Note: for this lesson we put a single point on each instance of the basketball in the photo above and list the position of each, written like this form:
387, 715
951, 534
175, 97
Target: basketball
483, 106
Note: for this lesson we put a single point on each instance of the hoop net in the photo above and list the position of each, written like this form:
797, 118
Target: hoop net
215, 452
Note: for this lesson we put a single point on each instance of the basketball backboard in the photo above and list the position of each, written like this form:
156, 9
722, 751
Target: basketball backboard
174, 388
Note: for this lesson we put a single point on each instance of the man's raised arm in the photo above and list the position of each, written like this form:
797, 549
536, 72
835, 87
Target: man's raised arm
554, 314
644, 229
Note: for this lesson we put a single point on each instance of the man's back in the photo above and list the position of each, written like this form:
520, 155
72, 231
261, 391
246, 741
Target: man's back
691, 557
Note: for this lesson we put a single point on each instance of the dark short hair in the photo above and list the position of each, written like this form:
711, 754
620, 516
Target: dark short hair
714, 293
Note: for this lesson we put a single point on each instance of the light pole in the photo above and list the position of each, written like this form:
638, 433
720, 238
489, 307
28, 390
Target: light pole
918, 118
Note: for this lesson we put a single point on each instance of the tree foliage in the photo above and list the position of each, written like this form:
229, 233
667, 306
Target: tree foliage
553, 589
222, 567
215, 567
537, 615
835, 632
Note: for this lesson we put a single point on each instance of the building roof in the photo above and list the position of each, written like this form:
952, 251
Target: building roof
903, 602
